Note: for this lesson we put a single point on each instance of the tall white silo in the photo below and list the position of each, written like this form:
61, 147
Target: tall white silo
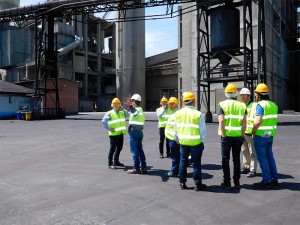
130, 56
7, 4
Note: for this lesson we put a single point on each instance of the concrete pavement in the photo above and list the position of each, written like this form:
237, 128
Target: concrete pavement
55, 172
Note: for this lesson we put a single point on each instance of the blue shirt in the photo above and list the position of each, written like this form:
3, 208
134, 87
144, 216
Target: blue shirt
259, 110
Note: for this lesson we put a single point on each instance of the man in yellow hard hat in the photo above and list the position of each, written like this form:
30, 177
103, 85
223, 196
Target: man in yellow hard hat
248, 149
232, 125
264, 130
162, 115
114, 122
190, 132
169, 133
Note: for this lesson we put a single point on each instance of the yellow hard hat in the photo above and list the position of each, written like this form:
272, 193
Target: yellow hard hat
116, 100
164, 99
173, 100
187, 96
231, 88
262, 89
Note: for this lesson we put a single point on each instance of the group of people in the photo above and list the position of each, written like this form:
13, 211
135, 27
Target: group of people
245, 125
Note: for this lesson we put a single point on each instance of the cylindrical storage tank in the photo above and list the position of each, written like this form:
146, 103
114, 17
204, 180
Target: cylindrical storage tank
7, 4
225, 28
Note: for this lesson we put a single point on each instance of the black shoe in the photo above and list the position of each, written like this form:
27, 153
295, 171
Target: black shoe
275, 183
251, 174
201, 187
118, 164
245, 170
112, 167
262, 184
144, 171
226, 186
183, 186
237, 186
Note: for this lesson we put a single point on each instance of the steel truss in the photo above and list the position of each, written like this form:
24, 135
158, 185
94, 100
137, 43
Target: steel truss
242, 71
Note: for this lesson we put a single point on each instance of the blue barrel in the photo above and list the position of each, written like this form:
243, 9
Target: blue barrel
19, 115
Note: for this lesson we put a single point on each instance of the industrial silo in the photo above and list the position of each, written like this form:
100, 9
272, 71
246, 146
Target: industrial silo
7, 4
130, 55
225, 31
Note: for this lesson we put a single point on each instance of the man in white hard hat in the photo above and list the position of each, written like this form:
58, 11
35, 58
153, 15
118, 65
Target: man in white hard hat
135, 131
249, 155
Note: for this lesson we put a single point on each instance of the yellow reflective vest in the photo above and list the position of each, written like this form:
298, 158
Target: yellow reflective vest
268, 126
162, 121
251, 112
117, 122
170, 127
234, 112
138, 119
187, 126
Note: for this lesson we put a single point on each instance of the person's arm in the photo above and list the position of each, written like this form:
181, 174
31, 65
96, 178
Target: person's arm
221, 119
160, 112
105, 120
244, 125
202, 127
258, 119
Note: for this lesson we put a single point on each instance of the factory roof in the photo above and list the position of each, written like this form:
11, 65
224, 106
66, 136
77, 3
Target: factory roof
10, 88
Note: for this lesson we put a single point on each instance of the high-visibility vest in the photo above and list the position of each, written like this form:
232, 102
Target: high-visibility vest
138, 119
162, 121
187, 126
170, 129
251, 112
117, 122
269, 120
234, 112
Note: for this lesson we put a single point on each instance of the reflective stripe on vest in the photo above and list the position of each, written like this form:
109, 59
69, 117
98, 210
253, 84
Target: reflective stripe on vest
187, 126
170, 128
251, 111
162, 121
139, 119
117, 122
269, 121
234, 112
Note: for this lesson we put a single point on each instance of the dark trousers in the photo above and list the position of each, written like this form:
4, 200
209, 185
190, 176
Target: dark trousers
196, 153
161, 142
234, 144
116, 145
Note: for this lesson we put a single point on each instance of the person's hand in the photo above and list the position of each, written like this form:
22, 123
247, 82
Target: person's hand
164, 107
127, 101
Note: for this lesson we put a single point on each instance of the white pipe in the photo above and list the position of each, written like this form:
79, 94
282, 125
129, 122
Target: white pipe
63, 51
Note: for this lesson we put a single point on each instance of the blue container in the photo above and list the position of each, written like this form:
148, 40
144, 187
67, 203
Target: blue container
19, 115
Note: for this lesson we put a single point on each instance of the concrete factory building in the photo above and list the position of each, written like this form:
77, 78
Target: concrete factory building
104, 59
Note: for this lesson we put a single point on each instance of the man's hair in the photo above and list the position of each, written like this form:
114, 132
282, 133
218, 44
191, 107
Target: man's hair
138, 103
190, 102
263, 97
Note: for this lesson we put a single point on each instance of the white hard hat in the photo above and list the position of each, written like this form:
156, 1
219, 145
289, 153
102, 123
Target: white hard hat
245, 91
136, 97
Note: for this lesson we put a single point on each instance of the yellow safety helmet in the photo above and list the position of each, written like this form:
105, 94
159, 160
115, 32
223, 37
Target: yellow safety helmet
173, 100
231, 88
188, 96
164, 99
262, 89
116, 100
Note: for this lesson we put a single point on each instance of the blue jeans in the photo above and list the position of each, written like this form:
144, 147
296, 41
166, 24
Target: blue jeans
234, 144
264, 153
136, 148
196, 153
175, 156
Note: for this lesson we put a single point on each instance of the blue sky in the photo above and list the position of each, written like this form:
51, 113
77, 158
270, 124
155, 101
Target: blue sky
161, 35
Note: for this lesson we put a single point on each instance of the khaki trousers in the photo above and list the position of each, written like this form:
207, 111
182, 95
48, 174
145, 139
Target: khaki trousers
249, 155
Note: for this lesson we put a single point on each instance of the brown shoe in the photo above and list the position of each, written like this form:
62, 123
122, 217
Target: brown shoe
133, 171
